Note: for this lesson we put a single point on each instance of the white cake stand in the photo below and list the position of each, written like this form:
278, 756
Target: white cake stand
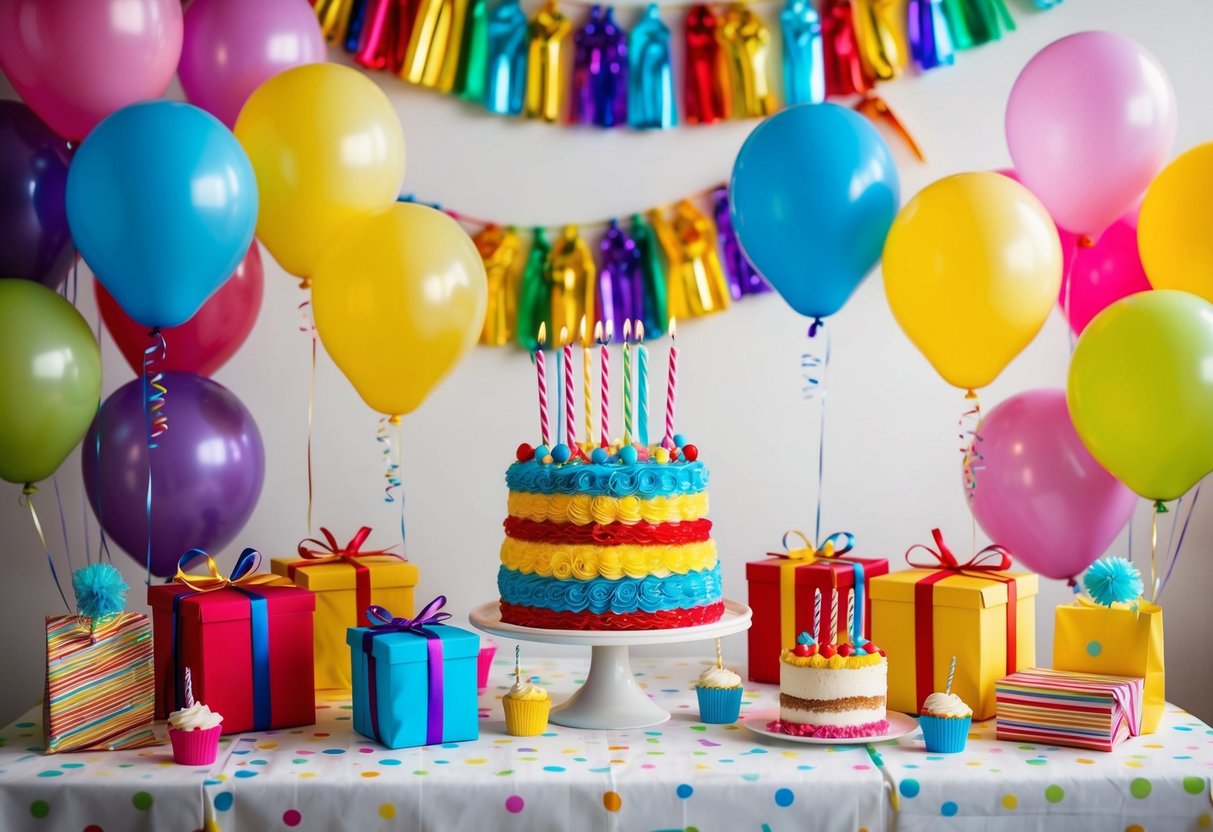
610, 698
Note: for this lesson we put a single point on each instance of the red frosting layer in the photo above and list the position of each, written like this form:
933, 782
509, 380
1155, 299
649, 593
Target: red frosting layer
869, 730
610, 534
663, 620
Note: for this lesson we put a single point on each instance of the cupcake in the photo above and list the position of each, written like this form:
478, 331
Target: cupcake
194, 732
526, 709
719, 691
945, 721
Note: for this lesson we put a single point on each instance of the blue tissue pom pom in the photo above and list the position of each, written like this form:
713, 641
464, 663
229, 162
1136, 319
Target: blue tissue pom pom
100, 590
1113, 580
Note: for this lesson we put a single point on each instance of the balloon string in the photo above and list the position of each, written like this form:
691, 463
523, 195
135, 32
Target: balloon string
400, 483
156, 422
1179, 544
1068, 281
103, 546
27, 499
814, 367
1159, 507
971, 456
67, 546
307, 325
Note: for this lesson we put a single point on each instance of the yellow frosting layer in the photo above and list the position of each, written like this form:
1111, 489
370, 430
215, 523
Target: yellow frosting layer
835, 662
583, 509
585, 562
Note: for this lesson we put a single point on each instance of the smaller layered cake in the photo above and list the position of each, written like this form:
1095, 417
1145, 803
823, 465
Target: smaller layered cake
832, 691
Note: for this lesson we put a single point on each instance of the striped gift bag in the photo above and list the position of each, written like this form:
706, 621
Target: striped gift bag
99, 683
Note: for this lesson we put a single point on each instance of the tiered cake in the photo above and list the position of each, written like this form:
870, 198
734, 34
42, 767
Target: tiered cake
609, 539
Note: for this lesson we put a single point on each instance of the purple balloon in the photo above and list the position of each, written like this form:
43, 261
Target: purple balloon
35, 243
1039, 491
207, 470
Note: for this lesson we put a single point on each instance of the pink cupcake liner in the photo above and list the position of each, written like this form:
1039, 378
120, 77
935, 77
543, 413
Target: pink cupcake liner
484, 661
195, 748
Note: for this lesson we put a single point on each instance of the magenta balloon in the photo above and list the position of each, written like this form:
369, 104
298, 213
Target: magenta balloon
233, 46
76, 61
1039, 491
1090, 121
1101, 274
207, 470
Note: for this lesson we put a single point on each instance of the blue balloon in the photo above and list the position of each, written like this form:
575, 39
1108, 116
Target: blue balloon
813, 194
162, 204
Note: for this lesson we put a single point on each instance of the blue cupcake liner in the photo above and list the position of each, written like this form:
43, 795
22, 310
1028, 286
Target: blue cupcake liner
943, 734
719, 706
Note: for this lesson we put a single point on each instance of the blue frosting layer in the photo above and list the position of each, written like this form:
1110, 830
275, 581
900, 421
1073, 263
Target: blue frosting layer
643, 479
648, 594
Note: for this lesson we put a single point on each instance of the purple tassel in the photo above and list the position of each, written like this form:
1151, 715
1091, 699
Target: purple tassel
600, 72
614, 73
743, 279
587, 51
620, 280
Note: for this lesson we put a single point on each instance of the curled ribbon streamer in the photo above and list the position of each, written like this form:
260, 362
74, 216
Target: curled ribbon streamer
993, 558
803, 65
970, 438
534, 296
747, 46
27, 500
844, 69
570, 275
506, 82
501, 252
655, 306
650, 74
707, 97
308, 327
743, 279
813, 369
620, 280
157, 422
391, 468
879, 37
697, 285
878, 110
244, 573
548, 32
930, 42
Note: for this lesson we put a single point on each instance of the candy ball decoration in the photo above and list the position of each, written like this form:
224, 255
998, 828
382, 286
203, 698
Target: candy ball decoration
679, 440
561, 453
599, 456
690, 452
525, 452
542, 452
628, 455
661, 456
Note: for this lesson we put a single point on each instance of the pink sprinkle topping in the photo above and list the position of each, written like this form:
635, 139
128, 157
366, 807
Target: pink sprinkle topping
830, 732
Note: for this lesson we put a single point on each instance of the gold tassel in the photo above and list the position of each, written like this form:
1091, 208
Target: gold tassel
698, 285
501, 252
334, 18
545, 71
432, 59
881, 39
747, 44
572, 278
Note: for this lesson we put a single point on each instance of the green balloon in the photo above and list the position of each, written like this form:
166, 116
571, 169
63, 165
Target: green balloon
50, 380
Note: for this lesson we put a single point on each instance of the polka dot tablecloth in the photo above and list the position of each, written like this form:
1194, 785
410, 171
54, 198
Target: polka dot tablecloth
678, 776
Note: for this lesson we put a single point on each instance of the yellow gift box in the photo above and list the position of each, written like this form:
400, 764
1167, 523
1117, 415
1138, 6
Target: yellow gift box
346, 581
923, 617
1117, 640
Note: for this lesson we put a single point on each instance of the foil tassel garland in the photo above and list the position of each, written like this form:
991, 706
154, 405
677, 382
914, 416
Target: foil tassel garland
652, 274
432, 59
878, 35
385, 35
534, 298
501, 252
650, 74
505, 84
840, 49
544, 90
747, 47
570, 275
697, 285
587, 53
473, 53
930, 41
334, 18
707, 97
353, 29
803, 73
742, 277
612, 79
620, 279
974, 22
599, 94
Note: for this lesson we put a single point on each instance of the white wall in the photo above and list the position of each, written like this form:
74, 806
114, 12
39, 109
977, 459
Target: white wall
892, 461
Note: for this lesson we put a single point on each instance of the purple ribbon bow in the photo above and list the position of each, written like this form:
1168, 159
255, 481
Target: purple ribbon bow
384, 623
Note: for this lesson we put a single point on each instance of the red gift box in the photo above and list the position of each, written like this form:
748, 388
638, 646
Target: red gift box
246, 639
791, 577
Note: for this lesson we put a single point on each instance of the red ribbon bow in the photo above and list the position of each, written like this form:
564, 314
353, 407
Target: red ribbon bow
944, 559
329, 551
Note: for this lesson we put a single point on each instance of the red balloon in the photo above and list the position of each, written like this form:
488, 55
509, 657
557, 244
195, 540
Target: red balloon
206, 341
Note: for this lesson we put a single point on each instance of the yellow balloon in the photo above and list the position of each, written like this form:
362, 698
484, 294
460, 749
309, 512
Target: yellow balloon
1173, 227
1140, 393
327, 147
972, 267
399, 297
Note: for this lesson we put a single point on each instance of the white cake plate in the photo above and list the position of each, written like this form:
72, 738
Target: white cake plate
899, 725
610, 698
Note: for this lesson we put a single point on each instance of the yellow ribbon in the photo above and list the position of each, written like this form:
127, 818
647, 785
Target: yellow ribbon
834, 546
244, 573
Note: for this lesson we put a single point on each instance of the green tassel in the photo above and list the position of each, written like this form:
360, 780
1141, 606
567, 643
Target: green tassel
472, 77
656, 306
974, 22
534, 301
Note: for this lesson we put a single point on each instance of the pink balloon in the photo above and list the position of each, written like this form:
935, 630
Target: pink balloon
76, 61
1039, 491
1090, 121
233, 46
1101, 274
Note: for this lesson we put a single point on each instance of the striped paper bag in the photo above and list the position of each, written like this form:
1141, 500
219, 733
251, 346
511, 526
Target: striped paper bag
99, 683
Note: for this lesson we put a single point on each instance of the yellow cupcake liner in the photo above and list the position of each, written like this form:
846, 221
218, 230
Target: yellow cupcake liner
525, 718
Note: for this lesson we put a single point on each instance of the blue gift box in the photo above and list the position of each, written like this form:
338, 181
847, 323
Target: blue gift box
414, 682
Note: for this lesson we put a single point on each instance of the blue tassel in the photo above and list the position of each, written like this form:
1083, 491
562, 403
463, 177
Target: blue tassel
930, 41
650, 77
505, 87
353, 32
100, 590
804, 80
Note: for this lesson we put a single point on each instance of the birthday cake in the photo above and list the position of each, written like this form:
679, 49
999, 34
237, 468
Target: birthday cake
832, 691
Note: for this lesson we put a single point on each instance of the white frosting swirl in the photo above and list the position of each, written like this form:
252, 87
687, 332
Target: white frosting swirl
945, 704
197, 717
527, 692
719, 677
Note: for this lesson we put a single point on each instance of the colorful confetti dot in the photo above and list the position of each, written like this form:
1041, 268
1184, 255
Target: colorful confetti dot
684, 791
611, 801
370, 774
909, 788
92, 827
948, 809
39, 808
1135, 827
334, 751
1055, 794
1009, 802
784, 797
389, 761
553, 768
142, 801
1140, 788
514, 804
291, 817
1194, 785
1205, 821
224, 801
387, 811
